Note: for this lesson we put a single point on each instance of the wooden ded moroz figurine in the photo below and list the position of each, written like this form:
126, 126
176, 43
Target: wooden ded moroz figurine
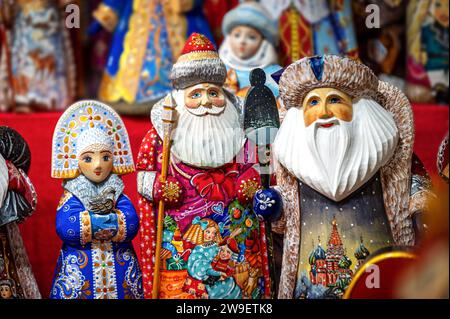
213, 244
95, 219
17, 202
345, 153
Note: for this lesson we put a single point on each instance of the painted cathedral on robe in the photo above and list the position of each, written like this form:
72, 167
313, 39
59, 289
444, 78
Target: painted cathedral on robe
332, 267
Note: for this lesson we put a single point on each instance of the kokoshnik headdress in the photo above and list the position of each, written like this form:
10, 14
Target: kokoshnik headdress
89, 125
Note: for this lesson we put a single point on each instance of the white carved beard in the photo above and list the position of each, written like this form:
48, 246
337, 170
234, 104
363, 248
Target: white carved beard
330, 159
336, 161
209, 140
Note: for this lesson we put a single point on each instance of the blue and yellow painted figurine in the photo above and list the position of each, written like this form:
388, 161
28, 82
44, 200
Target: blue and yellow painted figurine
95, 220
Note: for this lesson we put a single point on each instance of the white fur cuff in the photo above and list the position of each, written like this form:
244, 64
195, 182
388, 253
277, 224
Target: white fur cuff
145, 181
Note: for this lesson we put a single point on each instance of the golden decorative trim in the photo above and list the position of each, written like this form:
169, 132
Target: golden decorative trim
29, 6
199, 55
108, 88
176, 25
106, 16
294, 21
121, 223
70, 173
373, 261
86, 229
179, 6
120, 170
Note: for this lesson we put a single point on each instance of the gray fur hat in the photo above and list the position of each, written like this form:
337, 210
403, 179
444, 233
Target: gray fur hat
199, 63
345, 74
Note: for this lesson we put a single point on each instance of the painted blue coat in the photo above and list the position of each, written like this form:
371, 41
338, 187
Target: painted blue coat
97, 259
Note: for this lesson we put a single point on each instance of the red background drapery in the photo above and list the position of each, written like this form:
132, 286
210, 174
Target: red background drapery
39, 233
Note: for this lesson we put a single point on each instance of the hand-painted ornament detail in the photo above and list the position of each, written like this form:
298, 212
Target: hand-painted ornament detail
267, 203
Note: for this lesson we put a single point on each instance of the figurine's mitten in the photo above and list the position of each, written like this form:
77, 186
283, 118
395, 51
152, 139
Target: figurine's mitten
247, 185
170, 191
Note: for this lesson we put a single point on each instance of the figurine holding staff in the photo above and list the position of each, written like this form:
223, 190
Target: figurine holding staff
261, 123
208, 242
168, 121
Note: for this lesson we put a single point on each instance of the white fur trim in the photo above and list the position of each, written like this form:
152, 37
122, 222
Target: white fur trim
145, 182
186, 74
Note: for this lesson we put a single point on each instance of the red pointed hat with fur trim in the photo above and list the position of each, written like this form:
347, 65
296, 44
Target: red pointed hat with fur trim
199, 63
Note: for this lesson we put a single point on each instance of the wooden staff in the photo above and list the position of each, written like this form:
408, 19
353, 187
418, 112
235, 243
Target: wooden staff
168, 118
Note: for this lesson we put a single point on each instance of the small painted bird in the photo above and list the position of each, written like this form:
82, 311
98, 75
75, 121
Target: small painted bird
103, 203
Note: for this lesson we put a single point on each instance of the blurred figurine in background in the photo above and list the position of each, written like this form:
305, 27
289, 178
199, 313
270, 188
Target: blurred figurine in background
147, 37
383, 49
313, 27
43, 71
213, 243
251, 37
6, 92
348, 177
95, 220
185, 17
17, 202
428, 51
140, 56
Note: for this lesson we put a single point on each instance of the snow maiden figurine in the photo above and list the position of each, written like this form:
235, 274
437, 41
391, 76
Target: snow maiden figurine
17, 202
207, 193
250, 41
95, 220
346, 174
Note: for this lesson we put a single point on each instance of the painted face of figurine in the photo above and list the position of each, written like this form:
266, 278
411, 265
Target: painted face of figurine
209, 234
225, 253
245, 41
5, 292
439, 10
204, 98
96, 166
327, 103
341, 148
